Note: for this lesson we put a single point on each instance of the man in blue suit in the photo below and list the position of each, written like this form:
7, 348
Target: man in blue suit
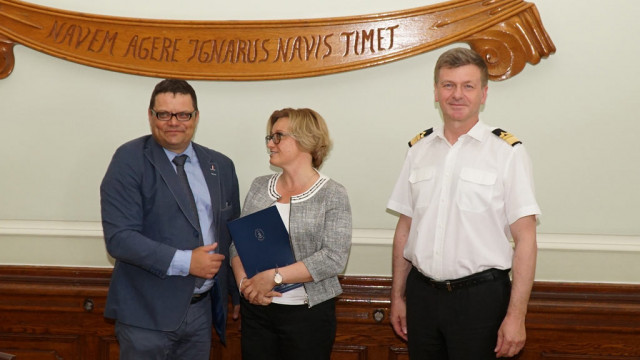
168, 234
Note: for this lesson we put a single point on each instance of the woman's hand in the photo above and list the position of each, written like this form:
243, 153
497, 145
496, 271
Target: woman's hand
258, 289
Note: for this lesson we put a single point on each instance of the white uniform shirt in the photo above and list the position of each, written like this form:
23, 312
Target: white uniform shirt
462, 199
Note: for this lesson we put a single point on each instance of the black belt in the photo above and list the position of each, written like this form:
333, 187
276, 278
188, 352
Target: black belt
467, 281
199, 297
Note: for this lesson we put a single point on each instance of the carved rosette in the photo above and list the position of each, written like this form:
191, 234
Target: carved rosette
7, 60
508, 46
508, 33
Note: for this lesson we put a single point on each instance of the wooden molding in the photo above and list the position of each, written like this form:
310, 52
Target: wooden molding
508, 33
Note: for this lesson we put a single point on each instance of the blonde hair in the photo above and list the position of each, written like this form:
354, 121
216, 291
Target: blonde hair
308, 128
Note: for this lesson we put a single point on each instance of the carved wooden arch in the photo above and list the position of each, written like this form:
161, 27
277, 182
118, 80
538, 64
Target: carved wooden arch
508, 33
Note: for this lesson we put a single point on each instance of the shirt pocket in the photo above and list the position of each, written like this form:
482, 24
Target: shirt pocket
475, 189
422, 185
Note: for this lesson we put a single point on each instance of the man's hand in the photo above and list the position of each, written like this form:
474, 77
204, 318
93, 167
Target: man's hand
511, 337
205, 263
398, 317
512, 333
401, 268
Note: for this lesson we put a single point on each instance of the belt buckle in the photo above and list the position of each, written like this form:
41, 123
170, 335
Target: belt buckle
448, 283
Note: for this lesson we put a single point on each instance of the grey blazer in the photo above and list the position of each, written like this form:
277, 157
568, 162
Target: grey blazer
319, 230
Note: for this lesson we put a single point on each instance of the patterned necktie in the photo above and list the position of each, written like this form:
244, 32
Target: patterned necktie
179, 161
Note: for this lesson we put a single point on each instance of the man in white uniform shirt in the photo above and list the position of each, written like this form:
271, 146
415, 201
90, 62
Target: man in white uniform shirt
465, 190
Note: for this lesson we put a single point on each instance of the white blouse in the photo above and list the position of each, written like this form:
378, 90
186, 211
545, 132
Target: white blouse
297, 296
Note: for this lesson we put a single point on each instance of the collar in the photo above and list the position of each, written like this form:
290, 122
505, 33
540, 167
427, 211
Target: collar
479, 131
189, 151
322, 179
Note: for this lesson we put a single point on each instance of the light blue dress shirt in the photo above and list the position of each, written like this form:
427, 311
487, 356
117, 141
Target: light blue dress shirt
182, 258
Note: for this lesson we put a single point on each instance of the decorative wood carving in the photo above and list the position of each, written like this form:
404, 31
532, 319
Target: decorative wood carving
508, 33
6, 57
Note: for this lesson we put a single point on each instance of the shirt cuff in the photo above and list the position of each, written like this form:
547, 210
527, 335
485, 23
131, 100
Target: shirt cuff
180, 264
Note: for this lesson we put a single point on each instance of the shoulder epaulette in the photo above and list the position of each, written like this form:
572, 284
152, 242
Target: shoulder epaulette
510, 139
420, 136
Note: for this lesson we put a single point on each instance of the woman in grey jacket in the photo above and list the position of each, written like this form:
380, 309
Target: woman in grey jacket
300, 323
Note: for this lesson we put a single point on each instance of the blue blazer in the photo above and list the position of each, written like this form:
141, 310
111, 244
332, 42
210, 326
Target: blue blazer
145, 218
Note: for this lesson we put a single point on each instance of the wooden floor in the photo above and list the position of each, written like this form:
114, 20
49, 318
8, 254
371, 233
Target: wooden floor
56, 313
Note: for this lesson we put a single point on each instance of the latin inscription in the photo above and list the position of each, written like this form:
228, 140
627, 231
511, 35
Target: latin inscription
368, 41
167, 49
85, 38
229, 51
153, 48
303, 48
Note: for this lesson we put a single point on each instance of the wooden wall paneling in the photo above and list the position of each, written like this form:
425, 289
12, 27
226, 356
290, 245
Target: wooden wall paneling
583, 321
399, 353
42, 347
363, 320
52, 312
56, 313
349, 352
107, 347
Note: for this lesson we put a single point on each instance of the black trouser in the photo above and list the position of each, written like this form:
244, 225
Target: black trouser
460, 323
288, 332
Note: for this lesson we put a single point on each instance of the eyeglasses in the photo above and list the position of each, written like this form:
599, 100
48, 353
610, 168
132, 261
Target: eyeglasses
166, 116
275, 137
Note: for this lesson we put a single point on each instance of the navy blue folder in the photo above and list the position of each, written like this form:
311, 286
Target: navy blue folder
263, 243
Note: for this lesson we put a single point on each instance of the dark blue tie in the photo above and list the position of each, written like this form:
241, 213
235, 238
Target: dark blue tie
182, 175
179, 161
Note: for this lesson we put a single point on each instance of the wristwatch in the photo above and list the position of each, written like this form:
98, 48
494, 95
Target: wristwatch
277, 278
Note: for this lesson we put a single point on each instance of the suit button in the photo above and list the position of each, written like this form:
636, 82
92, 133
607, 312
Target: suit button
195, 234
